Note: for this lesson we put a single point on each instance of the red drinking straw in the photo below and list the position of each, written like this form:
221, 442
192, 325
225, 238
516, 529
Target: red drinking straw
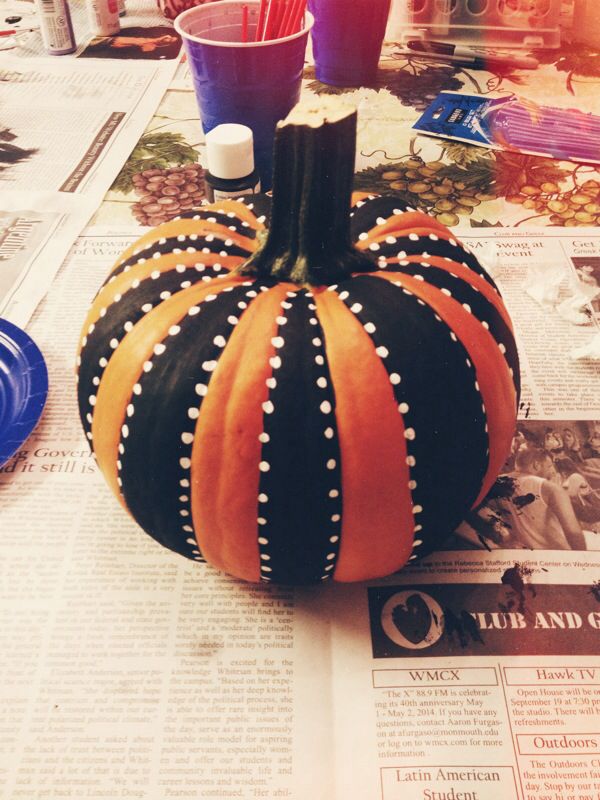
298, 8
244, 24
268, 31
283, 22
261, 19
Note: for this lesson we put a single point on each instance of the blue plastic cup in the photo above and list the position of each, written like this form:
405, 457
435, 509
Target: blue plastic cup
346, 38
253, 83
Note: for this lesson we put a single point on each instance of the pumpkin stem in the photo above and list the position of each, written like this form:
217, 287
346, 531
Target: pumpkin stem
309, 241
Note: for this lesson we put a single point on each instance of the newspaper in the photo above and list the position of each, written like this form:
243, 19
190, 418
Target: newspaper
128, 671
62, 143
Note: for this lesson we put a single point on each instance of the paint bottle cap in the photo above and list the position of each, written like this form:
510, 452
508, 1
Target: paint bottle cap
229, 151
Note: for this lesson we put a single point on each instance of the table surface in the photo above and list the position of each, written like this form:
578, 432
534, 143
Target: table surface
508, 189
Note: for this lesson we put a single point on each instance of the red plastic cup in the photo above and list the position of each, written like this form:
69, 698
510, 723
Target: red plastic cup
251, 83
347, 37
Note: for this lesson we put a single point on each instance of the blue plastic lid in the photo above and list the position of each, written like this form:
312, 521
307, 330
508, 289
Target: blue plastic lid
23, 387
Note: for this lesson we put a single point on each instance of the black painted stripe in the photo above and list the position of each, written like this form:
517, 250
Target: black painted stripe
300, 495
161, 420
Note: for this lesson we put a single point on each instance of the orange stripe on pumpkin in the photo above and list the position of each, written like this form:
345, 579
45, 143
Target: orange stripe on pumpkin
188, 225
495, 382
377, 519
123, 282
226, 453
125, 367
403, 225
465, 274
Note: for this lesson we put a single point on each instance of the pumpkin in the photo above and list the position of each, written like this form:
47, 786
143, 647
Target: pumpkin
318, 386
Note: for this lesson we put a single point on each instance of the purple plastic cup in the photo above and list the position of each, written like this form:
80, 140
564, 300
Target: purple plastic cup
346, 38
253, 83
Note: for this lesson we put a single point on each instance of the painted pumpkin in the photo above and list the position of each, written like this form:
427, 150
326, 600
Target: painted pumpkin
300, 389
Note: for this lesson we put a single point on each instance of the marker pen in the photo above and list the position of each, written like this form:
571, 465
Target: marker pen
56, 27
471, 56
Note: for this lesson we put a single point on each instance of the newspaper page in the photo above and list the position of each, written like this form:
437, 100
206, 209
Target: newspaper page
128, 671
550, 281
62, 143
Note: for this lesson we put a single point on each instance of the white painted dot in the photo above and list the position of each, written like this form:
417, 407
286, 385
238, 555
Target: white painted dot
220, 341
209, 366
331, 464
382, 352
264, 466
137, 389
277, 341
187, 438
147, 307
329, 433
325, 407
356, 308
264, 437
334, 493
317, 342
412, 485
159, 348
322, 382
319, 360
275, 362
409, 433
174, 330
417, 509
193, 310
92, 399
403, 408
335, 517
502, 348
263, 498
330, 556
201, 389
411, 461
395, 378
268, 407
185, 463
370, 328
261, 521
263, 540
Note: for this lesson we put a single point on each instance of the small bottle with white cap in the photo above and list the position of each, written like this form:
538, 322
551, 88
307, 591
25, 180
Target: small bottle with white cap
230, 162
